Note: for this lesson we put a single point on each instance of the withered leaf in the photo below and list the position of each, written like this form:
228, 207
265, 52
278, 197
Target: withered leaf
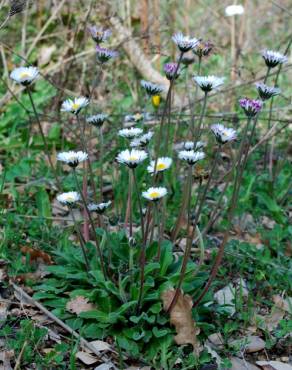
79, 304
181, 318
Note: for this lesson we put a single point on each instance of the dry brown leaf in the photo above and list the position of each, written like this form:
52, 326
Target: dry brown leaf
79, 304
36, 255
181, 318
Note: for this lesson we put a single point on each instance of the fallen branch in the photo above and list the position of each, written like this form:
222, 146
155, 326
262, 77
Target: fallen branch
83, 342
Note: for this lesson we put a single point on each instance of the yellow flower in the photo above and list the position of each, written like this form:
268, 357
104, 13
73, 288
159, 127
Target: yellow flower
156, 99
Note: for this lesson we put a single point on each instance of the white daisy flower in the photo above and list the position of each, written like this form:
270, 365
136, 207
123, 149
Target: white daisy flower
273, 58
68, 198
132, 158
266, 92
74, 106
99, 34
130, 132
24, 75
208, 83
151, 88
142, 141
162, 164
232, 10
154, 194
105, 54
184, 43
97, 119
190, 145
190, 156
72, 158
99, 208
223, 134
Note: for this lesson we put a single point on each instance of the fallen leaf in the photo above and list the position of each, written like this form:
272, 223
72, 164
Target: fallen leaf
100, 345
225, 296
239, 364
181, 318
79, 304
108, 366
36, 255
86, 358
273, 365
284, 304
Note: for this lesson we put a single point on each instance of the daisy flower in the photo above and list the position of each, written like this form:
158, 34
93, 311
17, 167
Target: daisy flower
104, 54
72, 158
251, 107
170, 69
154, 194
132, 158
266, 92
69, 198
99, 208
97, 119
208, 83
232, 10
24, 75
130, 132
143, 140
203, 49
273, 58
74, 105
184, 43
190, 145
151, 88
99, 34
162, 164
223, 134
190, 156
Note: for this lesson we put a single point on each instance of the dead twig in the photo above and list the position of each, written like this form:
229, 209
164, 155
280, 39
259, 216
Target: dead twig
83, 342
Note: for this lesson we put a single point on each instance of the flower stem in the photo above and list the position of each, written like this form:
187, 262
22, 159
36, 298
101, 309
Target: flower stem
85, 149
139, 203
192, 125
91, 222
80, 239
165, 109
199, 128
46, 147
190, 235
101, 162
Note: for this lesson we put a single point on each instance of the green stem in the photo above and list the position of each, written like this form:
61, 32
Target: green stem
101, 163
85, 149
91, 223
46, 147
192, 125
197, 135
81, 240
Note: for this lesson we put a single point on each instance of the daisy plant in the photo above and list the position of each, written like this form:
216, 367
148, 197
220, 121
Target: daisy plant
25, 76
70, 200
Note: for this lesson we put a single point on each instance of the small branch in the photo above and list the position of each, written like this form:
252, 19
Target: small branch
83, 342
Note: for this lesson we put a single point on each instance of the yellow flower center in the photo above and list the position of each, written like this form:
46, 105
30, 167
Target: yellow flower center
156, 100
133, 158
70, 198
160, 166
154, 194
24, 75
75, 106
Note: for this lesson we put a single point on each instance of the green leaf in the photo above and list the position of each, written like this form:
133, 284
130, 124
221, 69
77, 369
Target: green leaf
43, 203
166, 257
159, 333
